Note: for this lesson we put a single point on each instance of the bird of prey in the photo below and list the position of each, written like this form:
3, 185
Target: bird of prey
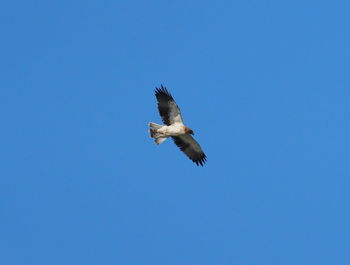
174, 127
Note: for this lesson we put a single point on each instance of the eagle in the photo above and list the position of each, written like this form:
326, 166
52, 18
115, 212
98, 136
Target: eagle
174, 127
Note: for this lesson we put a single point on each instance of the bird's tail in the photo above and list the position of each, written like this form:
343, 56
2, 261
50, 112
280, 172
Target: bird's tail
153, 130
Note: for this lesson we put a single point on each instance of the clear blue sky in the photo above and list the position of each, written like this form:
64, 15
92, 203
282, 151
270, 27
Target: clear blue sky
265, 86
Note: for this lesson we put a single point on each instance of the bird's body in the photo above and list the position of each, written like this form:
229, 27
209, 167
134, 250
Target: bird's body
175, 128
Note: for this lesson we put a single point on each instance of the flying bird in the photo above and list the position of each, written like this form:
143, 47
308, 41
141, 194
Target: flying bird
174, 127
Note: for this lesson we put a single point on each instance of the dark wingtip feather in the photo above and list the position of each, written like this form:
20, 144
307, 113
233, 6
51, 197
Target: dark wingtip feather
163, 92
201, 161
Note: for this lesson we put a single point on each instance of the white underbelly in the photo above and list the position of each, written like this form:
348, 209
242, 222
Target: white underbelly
173, 130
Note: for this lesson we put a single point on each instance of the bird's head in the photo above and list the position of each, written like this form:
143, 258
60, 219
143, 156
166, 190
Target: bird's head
189, 131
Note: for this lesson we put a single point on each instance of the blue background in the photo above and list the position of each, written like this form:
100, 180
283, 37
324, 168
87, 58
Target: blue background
265, 86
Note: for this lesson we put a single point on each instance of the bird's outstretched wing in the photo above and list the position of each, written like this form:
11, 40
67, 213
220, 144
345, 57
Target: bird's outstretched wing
167, 107
191, 148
